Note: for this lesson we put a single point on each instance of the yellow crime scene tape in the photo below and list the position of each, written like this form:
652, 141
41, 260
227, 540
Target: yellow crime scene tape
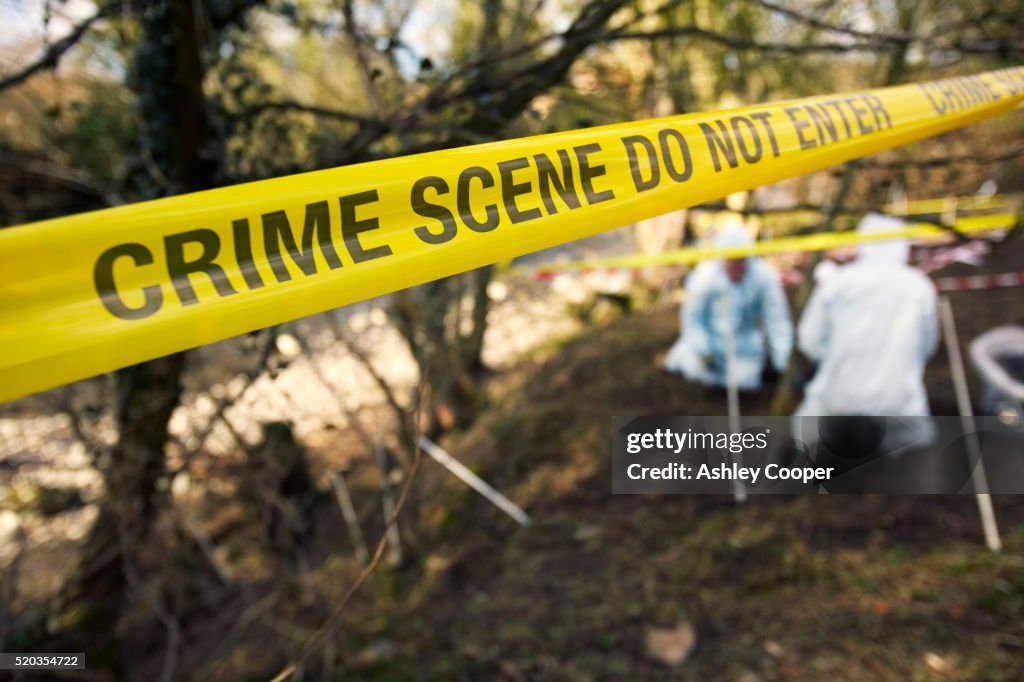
913, 207
801, 217
971, 203
87, 294
822, 241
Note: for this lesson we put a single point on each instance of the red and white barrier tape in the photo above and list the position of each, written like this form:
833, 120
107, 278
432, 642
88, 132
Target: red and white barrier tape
1006, 279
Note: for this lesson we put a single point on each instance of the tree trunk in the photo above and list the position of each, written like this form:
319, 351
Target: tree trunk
169, 72
95, 597
447, 343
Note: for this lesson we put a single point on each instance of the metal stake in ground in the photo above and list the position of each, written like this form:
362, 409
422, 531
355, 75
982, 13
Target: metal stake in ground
473, 481
349, 513
387, 499
739, 491
979, 481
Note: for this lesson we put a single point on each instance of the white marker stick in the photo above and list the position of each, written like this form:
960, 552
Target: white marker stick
739, 491
963, 398
473, 481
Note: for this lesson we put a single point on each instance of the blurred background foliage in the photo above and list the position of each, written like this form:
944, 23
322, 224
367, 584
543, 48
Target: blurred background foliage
293, 86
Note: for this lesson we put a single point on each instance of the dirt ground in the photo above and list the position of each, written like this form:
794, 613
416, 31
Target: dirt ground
808, 588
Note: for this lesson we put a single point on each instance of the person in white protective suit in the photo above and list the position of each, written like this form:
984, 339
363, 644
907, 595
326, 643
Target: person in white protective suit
871, 327
750, 293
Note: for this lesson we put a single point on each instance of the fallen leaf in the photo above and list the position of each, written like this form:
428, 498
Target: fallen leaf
936, 662
671, 646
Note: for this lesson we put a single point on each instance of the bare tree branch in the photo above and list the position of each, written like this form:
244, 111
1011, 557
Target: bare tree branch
51, 57
473, 83
739, 43
406, 427
75, 179
408, 120
497, 99
874, 36
219, 413
991, 46
93, 445
994, 46
353, 417
366, 73
324, 112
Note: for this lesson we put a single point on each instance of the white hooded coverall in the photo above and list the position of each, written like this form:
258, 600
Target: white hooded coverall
759, 310
871, 327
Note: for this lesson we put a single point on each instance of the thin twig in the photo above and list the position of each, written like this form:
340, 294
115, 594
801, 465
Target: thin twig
92, 444
219, 413
350, 414
206, 545
242, 622
382, 384
335, 617
332, 621
351, 519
